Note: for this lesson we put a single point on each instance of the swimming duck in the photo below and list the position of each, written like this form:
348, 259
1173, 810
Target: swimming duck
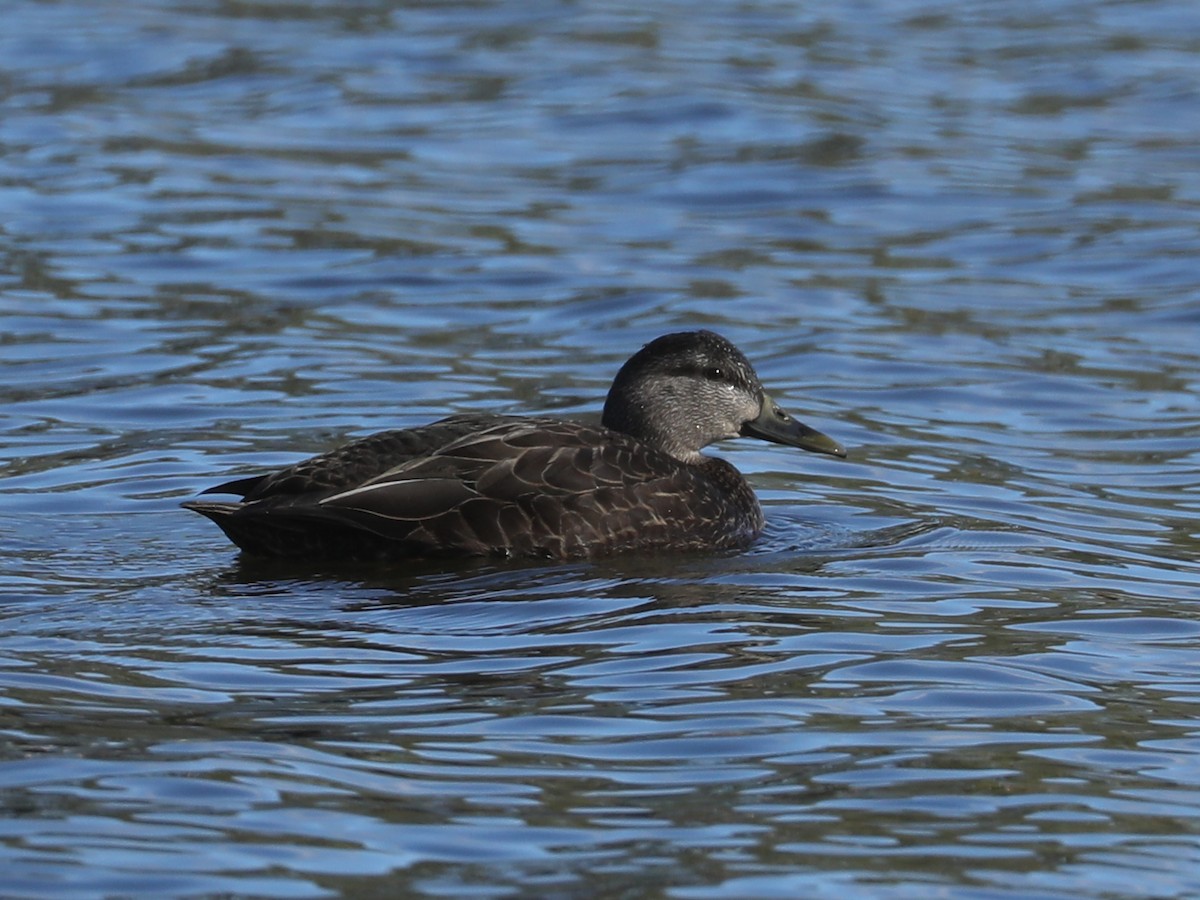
514, 486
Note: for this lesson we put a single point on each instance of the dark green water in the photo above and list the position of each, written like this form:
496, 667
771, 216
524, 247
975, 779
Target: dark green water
961, 238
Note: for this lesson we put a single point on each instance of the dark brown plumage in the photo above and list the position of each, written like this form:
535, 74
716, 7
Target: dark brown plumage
482, 485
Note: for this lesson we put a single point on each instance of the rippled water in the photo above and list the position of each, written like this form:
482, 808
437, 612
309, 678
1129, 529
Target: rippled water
960, 238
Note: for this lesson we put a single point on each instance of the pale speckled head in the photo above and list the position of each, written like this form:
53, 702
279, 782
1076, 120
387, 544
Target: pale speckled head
686, 390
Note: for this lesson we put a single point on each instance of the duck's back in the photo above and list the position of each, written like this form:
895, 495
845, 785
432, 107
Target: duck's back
490, 485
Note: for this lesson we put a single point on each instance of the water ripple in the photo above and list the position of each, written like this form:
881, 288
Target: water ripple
959, 239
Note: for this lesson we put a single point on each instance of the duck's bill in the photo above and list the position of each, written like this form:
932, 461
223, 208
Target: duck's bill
774, 424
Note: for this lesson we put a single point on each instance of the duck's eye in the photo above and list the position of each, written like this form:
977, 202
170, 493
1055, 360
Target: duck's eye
715, 373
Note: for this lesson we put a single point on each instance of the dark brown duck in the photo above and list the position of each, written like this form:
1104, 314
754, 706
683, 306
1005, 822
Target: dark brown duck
512, 486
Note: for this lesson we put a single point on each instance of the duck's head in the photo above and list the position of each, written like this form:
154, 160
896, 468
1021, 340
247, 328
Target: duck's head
684, 391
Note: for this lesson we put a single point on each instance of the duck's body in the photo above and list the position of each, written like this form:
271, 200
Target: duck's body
490, 485
481, 485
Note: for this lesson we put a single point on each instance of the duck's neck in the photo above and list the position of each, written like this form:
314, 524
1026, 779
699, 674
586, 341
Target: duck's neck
639, 428
632, 416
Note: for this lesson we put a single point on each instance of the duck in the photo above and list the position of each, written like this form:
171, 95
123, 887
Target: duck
507, 486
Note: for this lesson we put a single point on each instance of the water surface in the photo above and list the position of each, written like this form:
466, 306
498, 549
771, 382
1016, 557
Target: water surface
960, 238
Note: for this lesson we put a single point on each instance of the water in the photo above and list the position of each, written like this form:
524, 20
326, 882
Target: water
959, 238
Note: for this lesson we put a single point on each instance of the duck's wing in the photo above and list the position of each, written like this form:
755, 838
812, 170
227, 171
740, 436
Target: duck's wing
512, 456
356, 462
530, 487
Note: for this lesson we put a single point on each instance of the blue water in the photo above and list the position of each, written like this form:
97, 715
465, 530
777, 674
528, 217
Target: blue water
959, 238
